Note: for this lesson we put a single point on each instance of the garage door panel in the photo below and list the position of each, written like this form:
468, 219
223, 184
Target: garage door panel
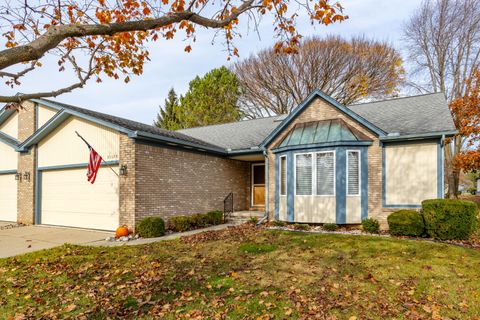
68, 199
8, 197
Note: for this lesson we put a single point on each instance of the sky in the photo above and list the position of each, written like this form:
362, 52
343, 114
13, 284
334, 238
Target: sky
171, 67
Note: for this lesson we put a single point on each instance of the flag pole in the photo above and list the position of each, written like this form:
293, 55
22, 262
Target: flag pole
90, 147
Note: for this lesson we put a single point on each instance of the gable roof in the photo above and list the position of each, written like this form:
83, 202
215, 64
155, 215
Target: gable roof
409, 115
133, 128
241, 135
317, 93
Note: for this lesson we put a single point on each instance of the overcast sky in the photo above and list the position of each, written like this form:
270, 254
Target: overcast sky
170, 66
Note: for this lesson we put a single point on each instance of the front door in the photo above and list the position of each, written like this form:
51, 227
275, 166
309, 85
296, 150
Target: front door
258, 185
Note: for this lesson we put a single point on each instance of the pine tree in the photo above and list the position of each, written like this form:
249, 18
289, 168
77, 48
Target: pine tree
167, 116
211, 99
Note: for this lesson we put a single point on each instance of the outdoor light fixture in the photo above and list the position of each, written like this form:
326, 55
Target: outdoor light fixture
18, 176
26, 176
123, 170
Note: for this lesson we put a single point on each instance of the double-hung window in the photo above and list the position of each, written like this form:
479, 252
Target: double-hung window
353, 173
304, 174
283, 175
325, 176
315, 174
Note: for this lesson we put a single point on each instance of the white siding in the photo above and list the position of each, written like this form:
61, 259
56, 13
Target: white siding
68, 199
315, 209
44, 114
8, 157
410, 173
8, 197
353, 209
282, 216
63, 146
10, 126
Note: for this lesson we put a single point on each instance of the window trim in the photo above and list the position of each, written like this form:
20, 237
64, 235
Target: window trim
334, 194
314, 174
286, 176
359, 174
295, 174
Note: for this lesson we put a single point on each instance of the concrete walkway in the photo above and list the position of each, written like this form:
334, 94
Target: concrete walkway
172, 236
20, 240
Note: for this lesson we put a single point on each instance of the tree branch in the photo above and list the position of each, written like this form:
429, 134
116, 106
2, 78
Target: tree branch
56, 34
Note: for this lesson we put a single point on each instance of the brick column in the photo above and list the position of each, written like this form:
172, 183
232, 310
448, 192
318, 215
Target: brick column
26, 164
127, 186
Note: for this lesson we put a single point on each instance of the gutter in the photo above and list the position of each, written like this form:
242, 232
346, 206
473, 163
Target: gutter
418, 136
175, 142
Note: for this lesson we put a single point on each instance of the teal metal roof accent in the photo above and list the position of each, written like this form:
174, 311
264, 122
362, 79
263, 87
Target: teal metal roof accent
317, 93
320, 132
11, 141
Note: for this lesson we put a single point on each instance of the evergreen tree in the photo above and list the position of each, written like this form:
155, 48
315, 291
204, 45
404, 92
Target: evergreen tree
211, 99
167, 117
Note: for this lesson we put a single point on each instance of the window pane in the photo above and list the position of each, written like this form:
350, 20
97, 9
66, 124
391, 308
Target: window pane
325, 174
353, 159
303, 174
259, 174
283, 176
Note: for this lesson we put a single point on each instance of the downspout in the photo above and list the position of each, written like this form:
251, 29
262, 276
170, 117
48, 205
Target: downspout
265, 217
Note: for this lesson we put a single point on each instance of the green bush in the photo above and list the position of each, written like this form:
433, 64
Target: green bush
195, 221
180, 223
301, 226
151, 227
450, 219
277, 223
406, 223
330, 227
199, 220
253, 220
371, 225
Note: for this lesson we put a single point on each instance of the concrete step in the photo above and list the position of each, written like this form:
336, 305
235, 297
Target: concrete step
247, 214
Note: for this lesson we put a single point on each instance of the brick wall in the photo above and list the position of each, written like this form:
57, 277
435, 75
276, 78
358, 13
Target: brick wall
127, 183
173, 182
26, 163
321, 110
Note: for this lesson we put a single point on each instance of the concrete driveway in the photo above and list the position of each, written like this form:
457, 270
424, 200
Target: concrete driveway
19, 240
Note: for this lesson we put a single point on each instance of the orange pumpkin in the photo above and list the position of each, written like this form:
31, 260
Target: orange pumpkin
121, 232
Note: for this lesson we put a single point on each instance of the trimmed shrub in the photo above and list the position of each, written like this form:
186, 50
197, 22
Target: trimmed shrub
450, 219
330, 227
180, 223
301, 226
199, 220
277, 223
151, 227
371, 225
215, 217
406, 223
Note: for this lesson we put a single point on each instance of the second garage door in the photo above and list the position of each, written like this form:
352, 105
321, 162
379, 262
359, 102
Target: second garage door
8, 197
68, 199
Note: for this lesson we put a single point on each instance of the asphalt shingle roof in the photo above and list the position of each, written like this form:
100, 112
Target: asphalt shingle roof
130, 124
409, 115
236, 135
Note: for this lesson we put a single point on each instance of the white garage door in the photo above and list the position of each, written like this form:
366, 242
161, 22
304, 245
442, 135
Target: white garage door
68, 199
8, 197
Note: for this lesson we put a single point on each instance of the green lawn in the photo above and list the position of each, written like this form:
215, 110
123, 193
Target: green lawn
247, 274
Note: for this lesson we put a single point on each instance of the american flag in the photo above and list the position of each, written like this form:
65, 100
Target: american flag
93, 165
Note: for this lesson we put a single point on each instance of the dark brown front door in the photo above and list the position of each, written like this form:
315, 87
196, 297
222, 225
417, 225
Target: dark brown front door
258, 185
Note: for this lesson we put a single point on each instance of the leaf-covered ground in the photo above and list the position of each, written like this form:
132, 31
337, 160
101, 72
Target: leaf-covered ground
245, 273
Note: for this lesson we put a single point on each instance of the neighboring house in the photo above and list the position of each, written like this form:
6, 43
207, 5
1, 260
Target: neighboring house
322, 163
478, 185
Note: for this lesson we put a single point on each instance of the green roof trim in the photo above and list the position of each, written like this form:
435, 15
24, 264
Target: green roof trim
317, 93
320, 132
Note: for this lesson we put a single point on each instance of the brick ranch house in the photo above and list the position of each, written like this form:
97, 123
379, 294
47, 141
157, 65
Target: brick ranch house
322, 163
